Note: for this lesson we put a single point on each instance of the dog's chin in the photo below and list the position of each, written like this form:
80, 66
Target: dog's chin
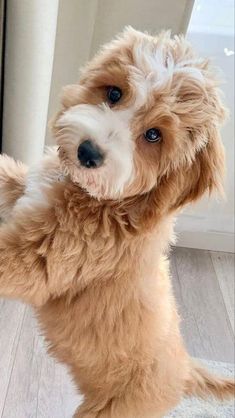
94, 189
110, 181
96, 184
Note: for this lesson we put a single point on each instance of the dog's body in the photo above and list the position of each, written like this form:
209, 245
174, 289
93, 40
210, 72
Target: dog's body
88, 251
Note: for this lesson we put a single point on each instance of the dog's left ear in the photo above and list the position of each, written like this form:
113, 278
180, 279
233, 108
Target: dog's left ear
206, 172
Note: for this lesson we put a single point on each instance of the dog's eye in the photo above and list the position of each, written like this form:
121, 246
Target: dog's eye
114, 94
153, 135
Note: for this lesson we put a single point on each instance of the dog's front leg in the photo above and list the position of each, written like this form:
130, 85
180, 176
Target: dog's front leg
23, 267
12, 184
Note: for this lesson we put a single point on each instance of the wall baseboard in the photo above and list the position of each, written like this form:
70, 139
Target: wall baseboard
213, 241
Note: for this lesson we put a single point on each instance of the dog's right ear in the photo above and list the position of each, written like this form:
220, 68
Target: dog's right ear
70, 95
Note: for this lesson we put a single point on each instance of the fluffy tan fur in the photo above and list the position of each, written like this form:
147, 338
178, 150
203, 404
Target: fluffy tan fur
96, 270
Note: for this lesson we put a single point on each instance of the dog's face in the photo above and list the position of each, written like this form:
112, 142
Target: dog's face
146, 109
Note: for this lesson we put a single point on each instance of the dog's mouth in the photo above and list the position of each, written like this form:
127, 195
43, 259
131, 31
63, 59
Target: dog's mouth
95, 175
87, 171
94, 182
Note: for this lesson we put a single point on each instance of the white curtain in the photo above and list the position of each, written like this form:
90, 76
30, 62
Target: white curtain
30, 41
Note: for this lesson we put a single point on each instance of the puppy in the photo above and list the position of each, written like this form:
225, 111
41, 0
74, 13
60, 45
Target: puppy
86, 232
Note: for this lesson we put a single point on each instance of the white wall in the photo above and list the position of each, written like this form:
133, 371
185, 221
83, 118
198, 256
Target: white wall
210, 223
149, 15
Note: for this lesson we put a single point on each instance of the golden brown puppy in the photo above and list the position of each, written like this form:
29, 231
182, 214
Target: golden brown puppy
87, 231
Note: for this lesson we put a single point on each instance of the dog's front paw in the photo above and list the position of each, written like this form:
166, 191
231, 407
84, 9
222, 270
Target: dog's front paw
12, 184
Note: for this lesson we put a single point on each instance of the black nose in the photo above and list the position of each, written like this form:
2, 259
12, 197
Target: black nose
89, 154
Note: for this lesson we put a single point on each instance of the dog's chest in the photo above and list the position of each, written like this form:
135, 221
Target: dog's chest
93, 326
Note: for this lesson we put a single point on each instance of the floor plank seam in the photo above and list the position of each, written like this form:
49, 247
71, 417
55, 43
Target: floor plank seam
222, 297
13, 364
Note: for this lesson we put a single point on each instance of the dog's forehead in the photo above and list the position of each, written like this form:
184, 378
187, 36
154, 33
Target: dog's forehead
150, 57
156, 63
152, 69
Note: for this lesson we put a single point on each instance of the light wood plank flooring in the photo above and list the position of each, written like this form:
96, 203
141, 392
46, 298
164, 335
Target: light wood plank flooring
32, 385
204, 288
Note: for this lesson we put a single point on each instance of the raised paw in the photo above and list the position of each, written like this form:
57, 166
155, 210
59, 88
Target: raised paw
12, 184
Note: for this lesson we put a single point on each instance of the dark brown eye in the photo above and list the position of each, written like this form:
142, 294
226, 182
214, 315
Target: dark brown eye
153, 135
114, 94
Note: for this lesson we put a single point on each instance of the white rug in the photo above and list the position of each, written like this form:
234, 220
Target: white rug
195, 408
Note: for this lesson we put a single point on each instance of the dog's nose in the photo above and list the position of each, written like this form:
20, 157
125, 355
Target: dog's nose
89, 154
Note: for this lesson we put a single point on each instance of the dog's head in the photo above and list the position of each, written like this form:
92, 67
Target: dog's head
143, 120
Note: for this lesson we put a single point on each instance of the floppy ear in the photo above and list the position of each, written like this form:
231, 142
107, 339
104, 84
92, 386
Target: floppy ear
206, 172
200, 96
70, 95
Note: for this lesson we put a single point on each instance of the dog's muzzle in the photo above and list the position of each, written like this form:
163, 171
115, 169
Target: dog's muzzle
90, 155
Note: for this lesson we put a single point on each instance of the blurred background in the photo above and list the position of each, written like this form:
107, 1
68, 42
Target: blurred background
45, 42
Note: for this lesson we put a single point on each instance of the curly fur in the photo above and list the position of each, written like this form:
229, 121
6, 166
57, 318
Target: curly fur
88, 248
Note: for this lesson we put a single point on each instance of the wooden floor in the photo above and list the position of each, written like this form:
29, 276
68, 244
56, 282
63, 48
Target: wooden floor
204, 288
33, 385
